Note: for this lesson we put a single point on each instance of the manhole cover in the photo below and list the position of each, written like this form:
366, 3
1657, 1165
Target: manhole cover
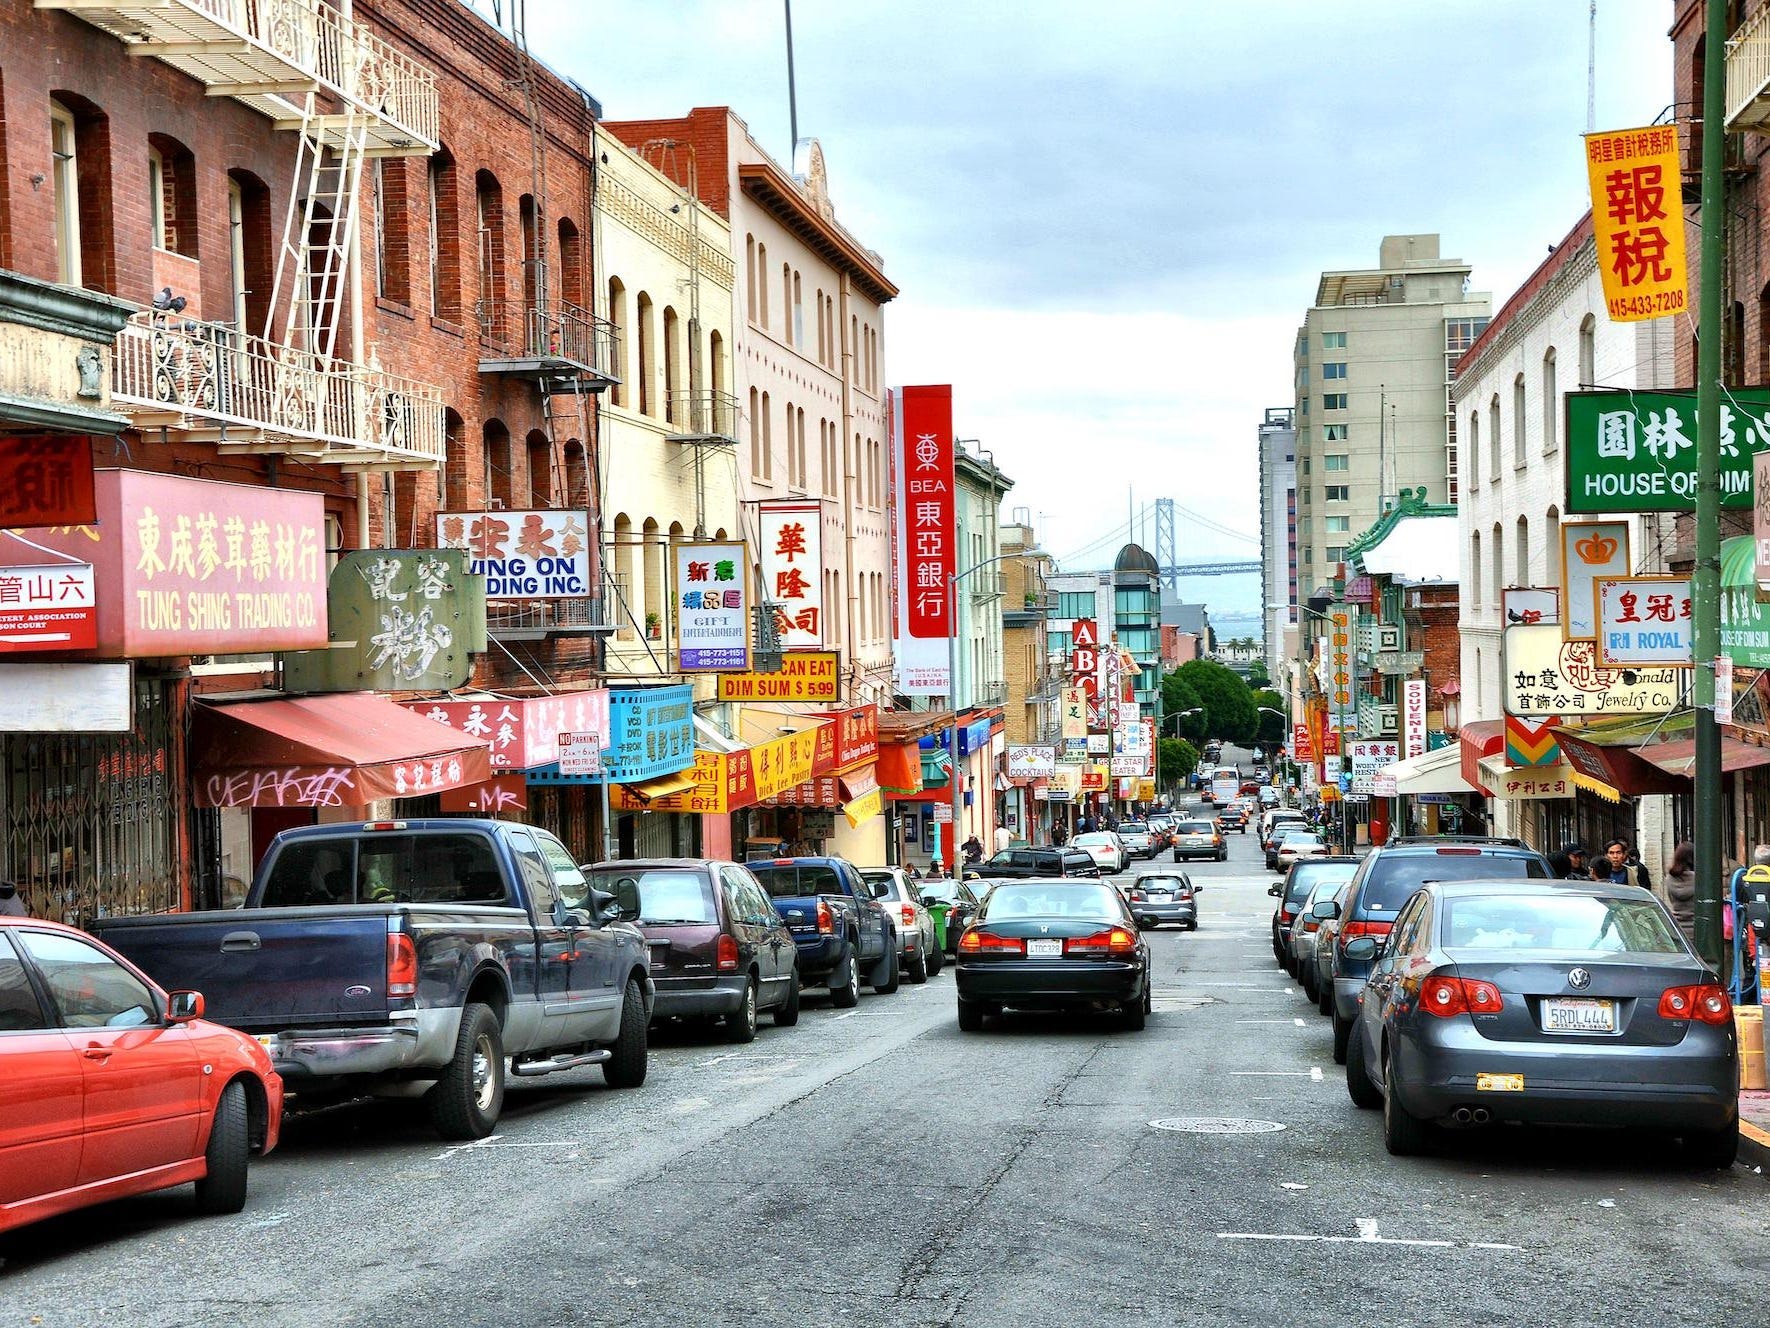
1216, 1125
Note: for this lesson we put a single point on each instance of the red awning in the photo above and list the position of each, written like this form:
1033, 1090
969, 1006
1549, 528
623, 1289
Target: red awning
1479, 738
1677, 758
342, 750
1620, 767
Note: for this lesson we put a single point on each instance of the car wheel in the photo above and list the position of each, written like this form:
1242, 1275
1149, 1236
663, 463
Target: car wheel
970, 1016
466, 1101
626, 1065
1404, 1134
885, 978
740, 1024
918, 973
1342, 1031
1358, 1081
845, 981
936, 961
1324, 996
786, 1014
223, 1187
1223, 856
1714, 1150
1135, 1014
1311, 992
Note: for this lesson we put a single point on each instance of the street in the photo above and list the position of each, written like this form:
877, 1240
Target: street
878, 1166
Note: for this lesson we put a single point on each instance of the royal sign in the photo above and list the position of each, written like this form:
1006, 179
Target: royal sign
522, 554
1636, 451
1644, 621
1638, 221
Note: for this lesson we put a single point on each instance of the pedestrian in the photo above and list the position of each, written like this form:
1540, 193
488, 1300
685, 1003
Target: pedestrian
936, 872
973, 851
1558, 866
1085, 826
12, 904
1577, 867
1004, 837
1680, 888
1614, 866
1059, 834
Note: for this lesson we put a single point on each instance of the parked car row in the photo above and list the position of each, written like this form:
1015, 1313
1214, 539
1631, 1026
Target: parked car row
427, 958
1468, 988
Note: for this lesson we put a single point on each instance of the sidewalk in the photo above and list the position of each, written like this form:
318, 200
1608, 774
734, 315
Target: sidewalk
1754, 1128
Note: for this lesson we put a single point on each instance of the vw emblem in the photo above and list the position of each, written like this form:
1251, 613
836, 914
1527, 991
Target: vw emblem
1579, 979
1043, 927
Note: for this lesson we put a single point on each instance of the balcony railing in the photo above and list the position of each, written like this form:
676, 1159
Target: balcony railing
216, 384
534, 619
986, 586
703, 417
558, 340
262, 51
1748, 73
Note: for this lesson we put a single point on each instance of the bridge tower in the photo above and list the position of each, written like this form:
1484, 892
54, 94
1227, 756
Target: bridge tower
1167, 550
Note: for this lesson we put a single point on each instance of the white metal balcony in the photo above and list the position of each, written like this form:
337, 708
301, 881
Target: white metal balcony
262, 52
708, 418
1748, 74
246, 394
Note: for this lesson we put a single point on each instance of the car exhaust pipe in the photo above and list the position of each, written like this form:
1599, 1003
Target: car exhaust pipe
1482, 1116
1462, 1115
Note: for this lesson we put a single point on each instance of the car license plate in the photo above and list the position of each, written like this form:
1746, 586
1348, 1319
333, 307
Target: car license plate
1499, 1083
1159, 896
1575, 1014
1044, 949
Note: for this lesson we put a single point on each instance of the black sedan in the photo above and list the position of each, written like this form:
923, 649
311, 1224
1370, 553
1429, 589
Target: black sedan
1542, 1001
1060, 944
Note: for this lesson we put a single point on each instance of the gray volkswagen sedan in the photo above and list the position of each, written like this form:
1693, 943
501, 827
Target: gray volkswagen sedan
1542, 1002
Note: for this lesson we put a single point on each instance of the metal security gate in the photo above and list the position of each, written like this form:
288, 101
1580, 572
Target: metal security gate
90, 818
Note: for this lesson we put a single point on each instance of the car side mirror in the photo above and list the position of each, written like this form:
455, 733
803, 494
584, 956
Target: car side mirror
183, 1006
1361, 948
1325, 909
1274, 891
604, 907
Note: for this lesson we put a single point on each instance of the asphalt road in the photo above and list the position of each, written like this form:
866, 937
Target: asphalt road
877, 1166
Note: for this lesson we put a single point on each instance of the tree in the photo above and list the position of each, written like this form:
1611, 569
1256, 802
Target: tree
1227, 699
1178, 696
1258, 675
1273, 729
1176, 759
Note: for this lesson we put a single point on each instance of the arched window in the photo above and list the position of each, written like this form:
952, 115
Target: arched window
1518, 431
766, 472
755, 434
540, 463
672, 362
854, 348
1475, 569
1551, 404
798, 314
625, 608
80, 179
760, 303
1493, 439
172, 195
823, 340
495, 459
644, 320
1588, 353
454, 459
1521, 568
716, 362
531, 253
1733, 346
489, 211
787, 319
1764, 335
577, 475
1551, 542
799, 447
251, 251
445, 238
621, 393
1499, 565
571, 263
1472, 454
652, 554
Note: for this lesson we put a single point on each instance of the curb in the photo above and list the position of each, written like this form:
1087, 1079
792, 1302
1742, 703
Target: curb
1754, 1146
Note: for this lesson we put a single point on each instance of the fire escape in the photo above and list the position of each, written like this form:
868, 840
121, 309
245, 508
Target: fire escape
347, 96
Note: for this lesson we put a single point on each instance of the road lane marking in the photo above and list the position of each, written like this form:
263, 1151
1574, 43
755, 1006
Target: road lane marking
1297, 1022
1315, 1073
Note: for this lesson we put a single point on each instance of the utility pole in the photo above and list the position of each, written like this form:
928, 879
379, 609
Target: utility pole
1706, 579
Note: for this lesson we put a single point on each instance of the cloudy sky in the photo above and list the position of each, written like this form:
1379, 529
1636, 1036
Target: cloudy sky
1107, 219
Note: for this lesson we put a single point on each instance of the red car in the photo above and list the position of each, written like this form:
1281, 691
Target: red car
111, 1087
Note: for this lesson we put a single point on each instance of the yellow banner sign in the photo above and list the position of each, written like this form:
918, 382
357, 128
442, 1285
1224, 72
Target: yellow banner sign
864, 808
727, 781
805, 675
1638, 221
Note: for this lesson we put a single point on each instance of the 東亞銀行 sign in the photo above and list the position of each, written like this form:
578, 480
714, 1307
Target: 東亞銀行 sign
1636, 451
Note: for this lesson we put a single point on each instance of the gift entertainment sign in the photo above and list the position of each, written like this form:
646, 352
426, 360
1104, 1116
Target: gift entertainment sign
1636, 451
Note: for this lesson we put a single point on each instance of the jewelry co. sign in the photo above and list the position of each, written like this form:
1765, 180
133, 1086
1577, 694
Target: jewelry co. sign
1636, 451
1544, 677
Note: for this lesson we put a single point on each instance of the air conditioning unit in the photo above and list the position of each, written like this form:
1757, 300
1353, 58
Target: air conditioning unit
1388, 638
1386, 720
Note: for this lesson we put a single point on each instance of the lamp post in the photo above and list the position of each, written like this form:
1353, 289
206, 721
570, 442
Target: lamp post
952, 673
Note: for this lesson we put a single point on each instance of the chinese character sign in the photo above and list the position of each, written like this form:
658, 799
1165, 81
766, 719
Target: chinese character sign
712, 607
401, 619
1075, 713
792, 562
925, 535
1636, 451
523, 555
1413, 717
1638, 221
52, 607
1545, 677
1339, 677
46, 480
1644, 620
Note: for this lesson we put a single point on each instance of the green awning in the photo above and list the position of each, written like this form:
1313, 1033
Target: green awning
936, 768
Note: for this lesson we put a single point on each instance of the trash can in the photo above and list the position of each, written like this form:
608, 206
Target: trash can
1749, 1020
938, 911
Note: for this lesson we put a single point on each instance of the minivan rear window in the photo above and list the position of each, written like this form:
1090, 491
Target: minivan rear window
1392, 880
1306, 874
663, 896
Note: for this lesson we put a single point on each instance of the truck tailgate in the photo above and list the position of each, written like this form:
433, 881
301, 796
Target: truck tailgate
799, 913
267, 968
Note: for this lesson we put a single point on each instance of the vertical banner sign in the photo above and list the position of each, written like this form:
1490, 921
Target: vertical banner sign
1302, 749
712, 608
1339, 679
926, 526
1413, 717
1638, 221
1761, 519
1075, 713
1589, 550
1723, 689
792, 559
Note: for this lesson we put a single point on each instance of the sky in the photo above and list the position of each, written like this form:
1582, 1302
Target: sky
1108, 220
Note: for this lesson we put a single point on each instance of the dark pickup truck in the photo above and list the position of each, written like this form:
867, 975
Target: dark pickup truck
415, 958
840, 930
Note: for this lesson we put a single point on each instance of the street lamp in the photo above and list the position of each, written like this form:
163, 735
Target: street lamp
1182, 714
952, 674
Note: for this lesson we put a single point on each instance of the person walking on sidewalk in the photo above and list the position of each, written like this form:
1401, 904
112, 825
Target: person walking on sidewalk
12, 904
1680, 888
1614, 866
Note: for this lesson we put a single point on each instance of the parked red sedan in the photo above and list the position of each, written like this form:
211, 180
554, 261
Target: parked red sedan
110, 1087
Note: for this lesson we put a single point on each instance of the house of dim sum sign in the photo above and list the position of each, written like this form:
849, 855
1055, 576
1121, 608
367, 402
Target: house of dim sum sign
1636, 451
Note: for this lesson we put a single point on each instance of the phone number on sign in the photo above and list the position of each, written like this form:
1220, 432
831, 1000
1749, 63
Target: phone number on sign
1660, 302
